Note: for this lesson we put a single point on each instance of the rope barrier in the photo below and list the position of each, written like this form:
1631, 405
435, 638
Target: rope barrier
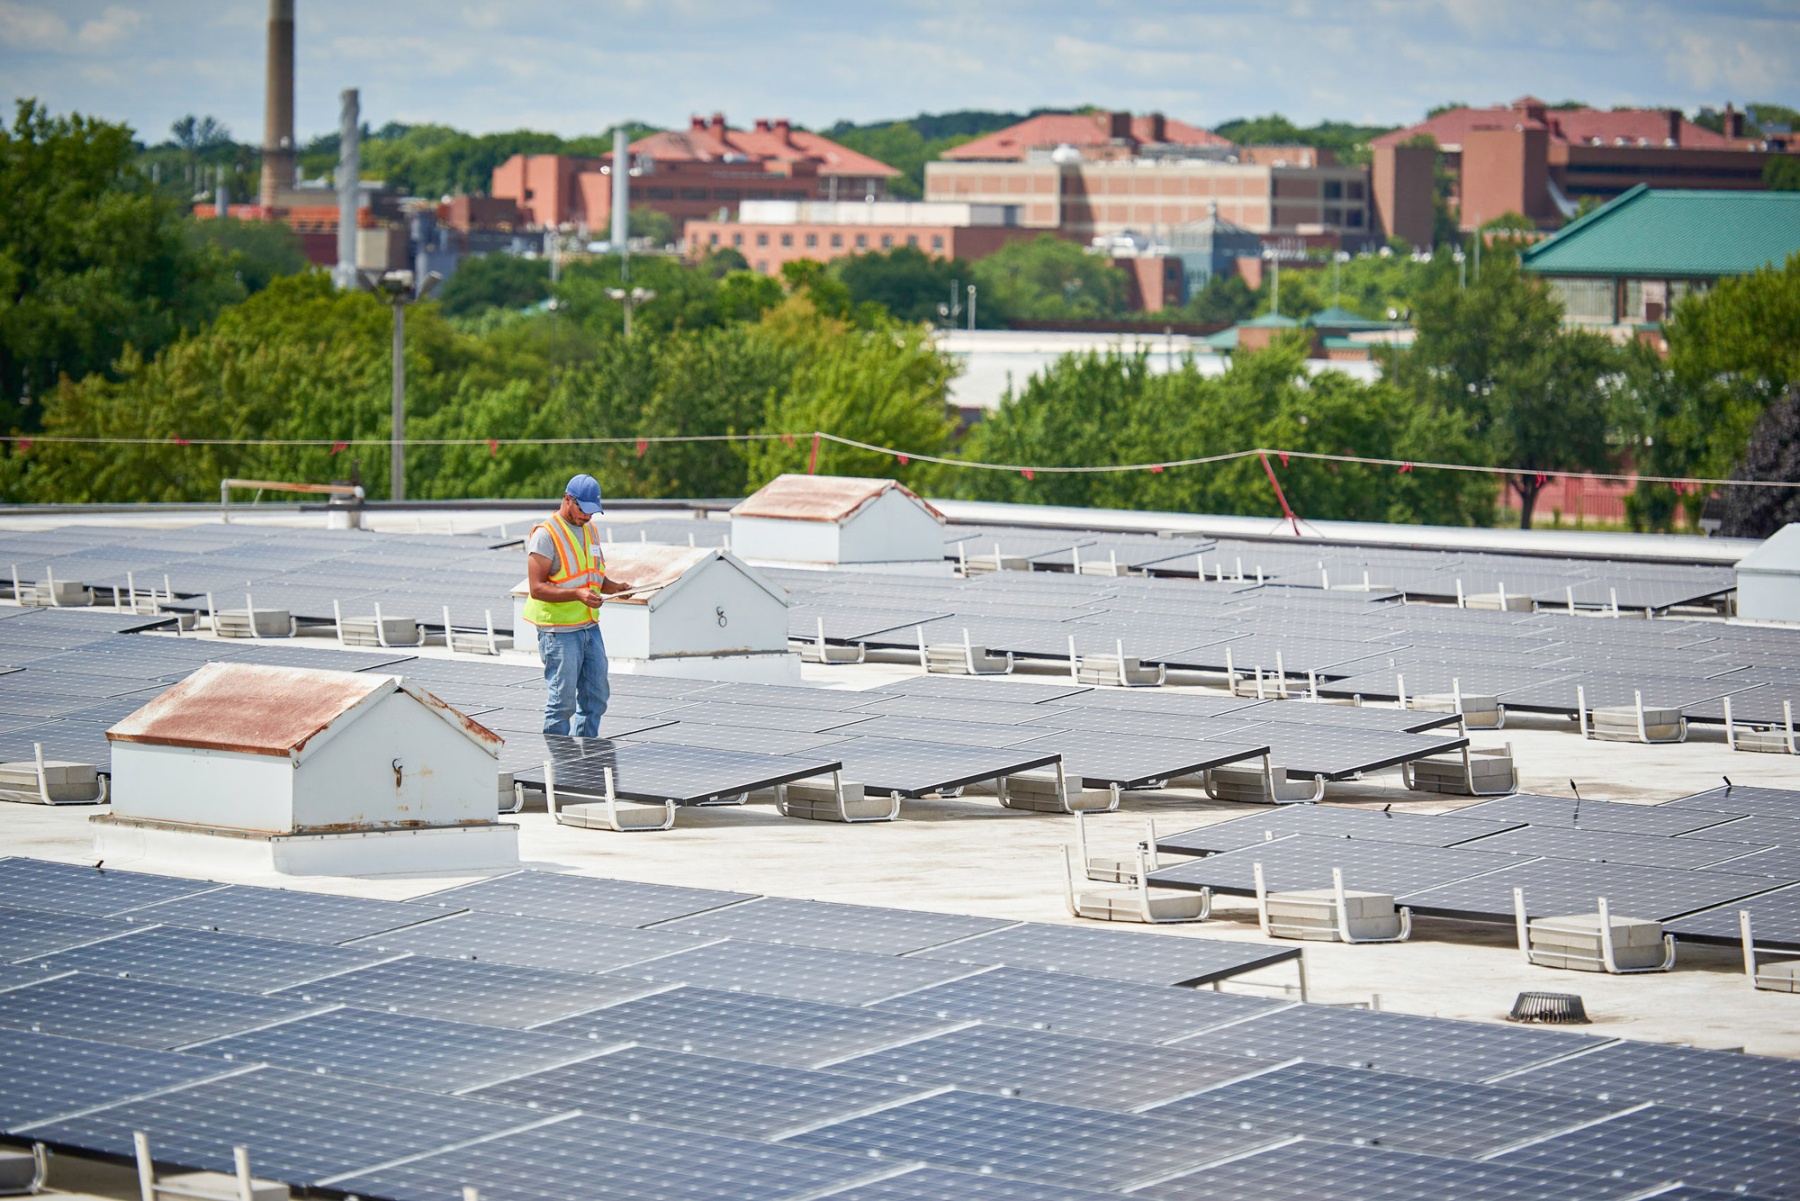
26, 442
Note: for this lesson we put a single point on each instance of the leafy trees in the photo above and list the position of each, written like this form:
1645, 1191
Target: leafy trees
1348, 141
1535, 396
1046, 277
92, 260
1111, 409
908, 145
254, 253
1225, 298
1782, 173
905, 281
494, 281
1773, 454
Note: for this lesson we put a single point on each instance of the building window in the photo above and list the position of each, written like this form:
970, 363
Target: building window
1354, 218
737, 239
762, 265
937, 241
762, 239
790, 194
787, 239
837, 240
715, 238
1334, 216
887, 241
693, 193
1588, 300
1353, 190
660, 193
760, 194
912, 239
725, 194
1334, 189
862, 241
812, 239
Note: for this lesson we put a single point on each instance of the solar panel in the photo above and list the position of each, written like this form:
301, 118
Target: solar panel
779, 696
1404, 1113
804, 973
959, 733
25, 933
1436, 1048
400, 1049
226, 962
685, 775
1302, 861
1728, 1082
1606, 846
1658, 1144
1042, 1066
299, 1128
764, 717
47, 1076
865, 928
1112, 955
137, 1013
1080, 1005
914, 769
1101, 759
605, 1159
581, 898
935, 1184
1328, 822
1010, 689
67, 888
1335, 752
1777, 831
1595, 815
280, 913
734, 738
1347, 1173
1168, 702
530, 942
945, 708
698, 1092
1566, 886
491, 994
1743, 798
747, 1026
1031, 1140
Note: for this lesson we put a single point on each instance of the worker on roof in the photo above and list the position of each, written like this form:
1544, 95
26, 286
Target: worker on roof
566, 576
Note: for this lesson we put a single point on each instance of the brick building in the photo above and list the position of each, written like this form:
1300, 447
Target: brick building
1098, 136
770, 233
1539, 162
692, 173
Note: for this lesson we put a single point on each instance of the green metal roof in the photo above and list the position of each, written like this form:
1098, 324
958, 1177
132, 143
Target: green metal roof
1270, 321
1338, 317
1657, 234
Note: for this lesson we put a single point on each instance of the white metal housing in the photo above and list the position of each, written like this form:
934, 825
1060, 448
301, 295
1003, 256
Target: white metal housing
1768, 578
811, 519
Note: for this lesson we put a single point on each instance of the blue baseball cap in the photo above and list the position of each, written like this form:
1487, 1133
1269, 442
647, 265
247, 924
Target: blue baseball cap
586, 491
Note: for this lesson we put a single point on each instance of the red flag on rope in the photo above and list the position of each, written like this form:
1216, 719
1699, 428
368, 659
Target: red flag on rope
1542, 479
493, 448
812, 462
1029, 474
179, 441
1283, 455
1405, 468
643, 444
1157, 467
337, 446
787, 440
24, 443
903, 460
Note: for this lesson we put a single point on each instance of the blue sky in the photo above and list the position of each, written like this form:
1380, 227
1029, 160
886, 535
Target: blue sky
579, 67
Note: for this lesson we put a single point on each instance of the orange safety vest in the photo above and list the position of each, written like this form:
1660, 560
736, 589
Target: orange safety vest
579, 565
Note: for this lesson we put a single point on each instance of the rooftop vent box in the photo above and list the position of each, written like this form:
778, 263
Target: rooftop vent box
848, 521
1768, 578
306, 772
696, 611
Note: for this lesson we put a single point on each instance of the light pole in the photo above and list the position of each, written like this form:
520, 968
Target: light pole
395, 288
971, 308
630, 299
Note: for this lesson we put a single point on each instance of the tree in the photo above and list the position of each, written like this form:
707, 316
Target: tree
905, 281
255, 253
1047, 278
92, 259
1773, 454
653, 225
1782, 173
1536, 397
1226, 299
494, 281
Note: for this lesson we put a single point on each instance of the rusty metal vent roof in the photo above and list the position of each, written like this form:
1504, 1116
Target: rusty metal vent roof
820, 497
250, 709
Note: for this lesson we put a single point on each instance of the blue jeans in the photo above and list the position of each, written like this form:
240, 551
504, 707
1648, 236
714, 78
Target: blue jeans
575, 674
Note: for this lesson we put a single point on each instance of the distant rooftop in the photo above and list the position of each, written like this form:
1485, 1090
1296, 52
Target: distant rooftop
1635, 126
712, 140
1675, 234
1083, 131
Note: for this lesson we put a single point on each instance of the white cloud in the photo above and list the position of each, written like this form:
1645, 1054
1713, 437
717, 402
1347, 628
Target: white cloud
27, 27
110, 28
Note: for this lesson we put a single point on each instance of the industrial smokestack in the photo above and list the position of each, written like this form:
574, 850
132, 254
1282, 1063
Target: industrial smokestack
349, 186
621, 192
278, 105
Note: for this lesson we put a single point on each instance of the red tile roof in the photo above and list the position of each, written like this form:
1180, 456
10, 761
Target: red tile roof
821, 497
708, 141
1047, 131
1649, 125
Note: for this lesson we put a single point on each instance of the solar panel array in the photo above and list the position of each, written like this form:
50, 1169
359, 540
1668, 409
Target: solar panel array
1692, 863
753, 1048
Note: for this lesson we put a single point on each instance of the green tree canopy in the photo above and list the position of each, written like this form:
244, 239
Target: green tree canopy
494, 281
905, 281
1047, 277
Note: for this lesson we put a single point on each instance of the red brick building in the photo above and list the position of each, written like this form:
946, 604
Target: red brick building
1539, 162
769, 234
692, 173
1097, 135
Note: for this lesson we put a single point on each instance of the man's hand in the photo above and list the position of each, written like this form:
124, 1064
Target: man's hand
588, 597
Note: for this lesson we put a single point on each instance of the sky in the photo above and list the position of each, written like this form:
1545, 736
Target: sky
579, 67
